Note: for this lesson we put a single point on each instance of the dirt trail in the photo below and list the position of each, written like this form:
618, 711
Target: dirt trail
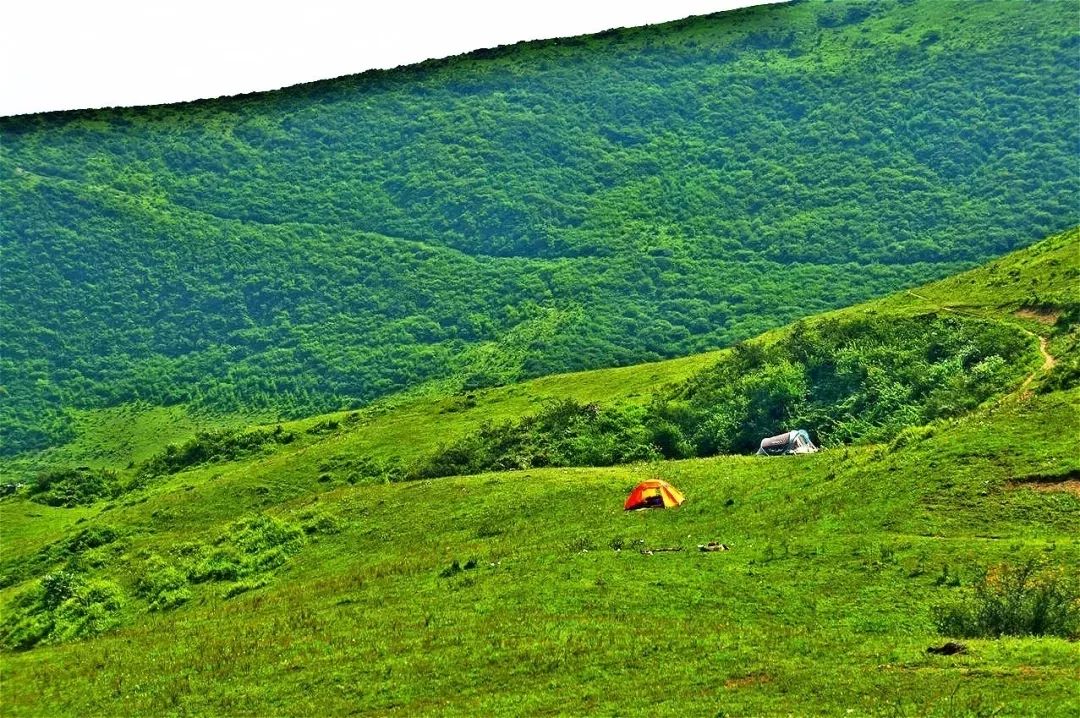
1048, 363
1048, 359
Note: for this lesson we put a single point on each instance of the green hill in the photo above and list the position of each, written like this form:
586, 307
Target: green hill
285, 569
546, 207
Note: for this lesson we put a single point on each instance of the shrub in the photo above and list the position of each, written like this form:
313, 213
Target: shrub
322, 523
75, 486
323, 427
264, 533
62, 606
213, 446
248, 547
70, 550
244, 586
581, 544
28, 630
57, 588
1025, 600
88, 538
162, 585
455, 568
223, 564
94, 608
861, 379
563, 433
359, 469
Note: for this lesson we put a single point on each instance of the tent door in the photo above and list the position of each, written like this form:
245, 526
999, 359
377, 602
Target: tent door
655, 501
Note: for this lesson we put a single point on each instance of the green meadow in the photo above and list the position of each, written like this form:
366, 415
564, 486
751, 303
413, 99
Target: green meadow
260, 570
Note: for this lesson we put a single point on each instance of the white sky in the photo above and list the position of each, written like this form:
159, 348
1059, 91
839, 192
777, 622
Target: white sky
68, 54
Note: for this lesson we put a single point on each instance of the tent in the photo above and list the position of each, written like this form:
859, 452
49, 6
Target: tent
796, 441
653, 493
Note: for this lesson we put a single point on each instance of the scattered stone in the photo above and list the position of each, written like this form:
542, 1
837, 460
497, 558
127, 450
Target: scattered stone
662, 549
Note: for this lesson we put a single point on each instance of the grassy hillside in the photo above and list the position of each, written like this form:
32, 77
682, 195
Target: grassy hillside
540, 208
305, 578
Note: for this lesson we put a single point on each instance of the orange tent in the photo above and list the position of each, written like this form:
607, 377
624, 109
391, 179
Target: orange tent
653, 493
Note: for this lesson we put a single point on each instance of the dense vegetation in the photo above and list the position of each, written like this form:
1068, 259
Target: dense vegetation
74, 486
551, 206
252, 573
211, 446
1030, 599
866, 378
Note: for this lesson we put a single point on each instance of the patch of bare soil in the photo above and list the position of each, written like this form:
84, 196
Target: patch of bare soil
1042, 316
754, 679
1068, 483
1069, 487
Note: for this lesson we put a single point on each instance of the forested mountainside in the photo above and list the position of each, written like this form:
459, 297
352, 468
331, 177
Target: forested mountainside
543, 207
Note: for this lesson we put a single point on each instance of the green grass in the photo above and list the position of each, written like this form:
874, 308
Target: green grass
115, 437
822, 606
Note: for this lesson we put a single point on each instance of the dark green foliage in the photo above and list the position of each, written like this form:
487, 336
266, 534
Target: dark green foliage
863, 379
249, 548
213, 446
356, 469
162, 585
1065, 373
89, 538
246, 555
322, 523
545, 207
565, 433
455, 568
61, 607
75, 486
68, 551
860, 379
1015, 600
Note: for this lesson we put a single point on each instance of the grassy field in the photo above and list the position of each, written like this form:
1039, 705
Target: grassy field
312, 591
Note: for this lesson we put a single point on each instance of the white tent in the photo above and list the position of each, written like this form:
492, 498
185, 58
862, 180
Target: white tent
796, 441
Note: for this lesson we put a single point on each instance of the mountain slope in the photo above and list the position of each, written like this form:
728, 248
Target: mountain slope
284, 584
577, 203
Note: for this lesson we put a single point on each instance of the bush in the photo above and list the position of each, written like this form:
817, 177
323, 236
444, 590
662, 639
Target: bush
223, 564
94, 608
249, 547
322, 523
853, 379
62, 606
88, 538
563, 433
244, 586
71, 551
1026, 600
57, 588
361, 469
455, 568
162, 585
75, 486
213, 446
264, 533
